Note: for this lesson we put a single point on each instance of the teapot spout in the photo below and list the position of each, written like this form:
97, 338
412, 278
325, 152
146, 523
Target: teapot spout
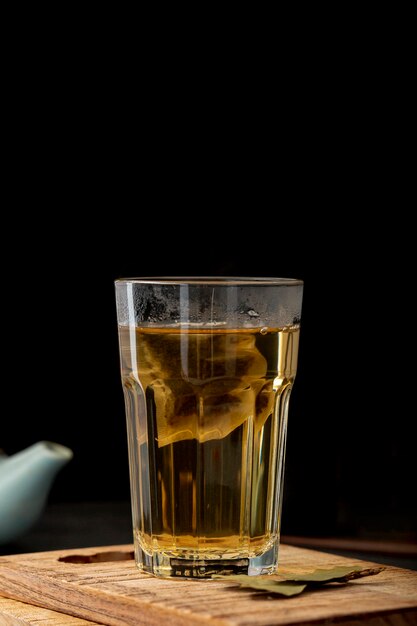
25, 481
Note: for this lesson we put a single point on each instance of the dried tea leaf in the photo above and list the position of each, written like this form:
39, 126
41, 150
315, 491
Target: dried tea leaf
294, 584
266, 583
340, 574
217, 393
277, 587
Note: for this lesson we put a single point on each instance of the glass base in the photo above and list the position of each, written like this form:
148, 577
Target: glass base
164, 566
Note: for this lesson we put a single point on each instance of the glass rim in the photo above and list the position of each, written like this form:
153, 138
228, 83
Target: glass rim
211, 280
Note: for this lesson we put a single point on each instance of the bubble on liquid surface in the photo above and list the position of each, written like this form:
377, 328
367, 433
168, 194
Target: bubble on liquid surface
263, 330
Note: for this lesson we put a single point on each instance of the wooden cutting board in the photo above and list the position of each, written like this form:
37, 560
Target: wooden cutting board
113, 592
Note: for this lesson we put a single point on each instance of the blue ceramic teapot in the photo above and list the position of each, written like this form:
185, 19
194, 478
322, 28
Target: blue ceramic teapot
25, 481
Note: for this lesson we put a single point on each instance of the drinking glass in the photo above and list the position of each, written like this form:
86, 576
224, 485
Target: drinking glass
207, 368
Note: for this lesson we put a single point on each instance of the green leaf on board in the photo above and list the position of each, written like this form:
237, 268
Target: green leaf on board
294, 584
340, 574
266, 583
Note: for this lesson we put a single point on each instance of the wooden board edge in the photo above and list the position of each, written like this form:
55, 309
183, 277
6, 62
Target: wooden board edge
13, 581
15, 613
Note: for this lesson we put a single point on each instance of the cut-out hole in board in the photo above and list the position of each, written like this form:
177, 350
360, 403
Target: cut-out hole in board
99, 557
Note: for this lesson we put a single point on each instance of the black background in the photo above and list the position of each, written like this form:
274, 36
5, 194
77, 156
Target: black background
350, 448
227, 163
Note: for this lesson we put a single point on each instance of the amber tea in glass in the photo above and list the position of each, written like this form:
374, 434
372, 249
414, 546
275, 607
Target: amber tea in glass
207, 369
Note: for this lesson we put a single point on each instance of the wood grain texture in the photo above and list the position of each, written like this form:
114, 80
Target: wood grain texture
115, 593
14, 613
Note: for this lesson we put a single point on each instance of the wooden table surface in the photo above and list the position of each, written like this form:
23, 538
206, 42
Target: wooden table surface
115, 593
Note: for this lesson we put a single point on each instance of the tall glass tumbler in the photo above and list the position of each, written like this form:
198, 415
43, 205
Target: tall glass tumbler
207, 369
